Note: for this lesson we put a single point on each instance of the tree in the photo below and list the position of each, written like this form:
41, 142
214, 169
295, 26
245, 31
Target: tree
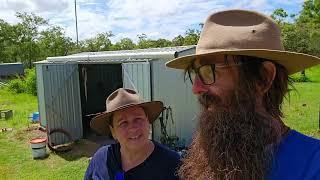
162, 43
100, 42
192, 37
310, 13
143, 42
5, 41
310, 20
124, 43
28, 34
303, 34
279, 15
178, 41
53, 42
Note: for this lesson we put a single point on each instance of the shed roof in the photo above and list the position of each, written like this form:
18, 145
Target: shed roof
119, 56
8, 64
158, 50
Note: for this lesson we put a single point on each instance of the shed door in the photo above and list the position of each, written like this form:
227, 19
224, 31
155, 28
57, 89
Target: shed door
136, 75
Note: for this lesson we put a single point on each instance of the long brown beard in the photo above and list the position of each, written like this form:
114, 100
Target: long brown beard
232, 142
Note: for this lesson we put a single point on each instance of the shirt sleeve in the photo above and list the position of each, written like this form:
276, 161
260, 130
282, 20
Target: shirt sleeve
97, 168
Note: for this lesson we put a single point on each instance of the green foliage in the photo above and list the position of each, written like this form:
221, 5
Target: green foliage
17, 85
178, 41
310, 13
192, 37
303, 34
25, 84
144, 43
301, 78
28, 49
309, 75
279, 15
31, 82
54, 43
101, 42
123, 44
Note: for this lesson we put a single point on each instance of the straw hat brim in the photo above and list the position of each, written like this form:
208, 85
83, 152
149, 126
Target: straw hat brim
100, 123
292, 61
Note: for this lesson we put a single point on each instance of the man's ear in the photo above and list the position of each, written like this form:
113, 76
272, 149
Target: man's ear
270, 70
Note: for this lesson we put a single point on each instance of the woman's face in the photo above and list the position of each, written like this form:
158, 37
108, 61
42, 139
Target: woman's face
131, 128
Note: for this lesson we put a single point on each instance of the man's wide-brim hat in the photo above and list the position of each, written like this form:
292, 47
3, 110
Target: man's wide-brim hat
121, 99
247, 33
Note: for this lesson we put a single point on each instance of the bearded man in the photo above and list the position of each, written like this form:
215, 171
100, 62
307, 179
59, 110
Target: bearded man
240, 73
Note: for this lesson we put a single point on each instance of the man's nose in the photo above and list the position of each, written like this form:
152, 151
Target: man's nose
198, 87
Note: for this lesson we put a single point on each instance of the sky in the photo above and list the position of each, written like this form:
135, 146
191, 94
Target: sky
129, 18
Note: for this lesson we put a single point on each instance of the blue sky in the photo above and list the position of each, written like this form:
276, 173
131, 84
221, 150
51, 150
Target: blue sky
128, 18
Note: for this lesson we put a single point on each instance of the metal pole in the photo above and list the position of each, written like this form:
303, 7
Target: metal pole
75, 13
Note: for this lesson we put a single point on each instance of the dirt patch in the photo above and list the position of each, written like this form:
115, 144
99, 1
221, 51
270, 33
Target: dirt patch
75, 150
28, 133
81, 148
85, 147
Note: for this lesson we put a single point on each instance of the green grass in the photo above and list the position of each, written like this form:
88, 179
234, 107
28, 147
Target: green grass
302, 108
16, 160
21, 104
301, 113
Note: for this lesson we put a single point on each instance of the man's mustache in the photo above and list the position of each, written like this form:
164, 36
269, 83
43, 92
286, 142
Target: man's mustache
206, 100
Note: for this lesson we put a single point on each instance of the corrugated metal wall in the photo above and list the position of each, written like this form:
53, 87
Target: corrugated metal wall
168, 86
11, 69
137, 76
61, 100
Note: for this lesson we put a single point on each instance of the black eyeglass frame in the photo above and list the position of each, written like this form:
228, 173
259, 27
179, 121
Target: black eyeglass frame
213, 68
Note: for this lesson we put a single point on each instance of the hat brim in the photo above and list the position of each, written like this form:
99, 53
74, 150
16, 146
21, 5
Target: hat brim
101, 122
292, 61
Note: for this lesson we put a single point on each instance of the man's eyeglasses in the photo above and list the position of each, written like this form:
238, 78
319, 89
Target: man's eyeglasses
207, 72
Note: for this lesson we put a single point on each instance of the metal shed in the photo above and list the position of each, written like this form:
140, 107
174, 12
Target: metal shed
71, 88
11, 69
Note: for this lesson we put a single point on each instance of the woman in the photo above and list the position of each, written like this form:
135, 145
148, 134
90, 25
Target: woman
128, 120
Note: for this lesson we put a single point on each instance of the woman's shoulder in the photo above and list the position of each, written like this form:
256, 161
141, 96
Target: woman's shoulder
164, 151
101, 153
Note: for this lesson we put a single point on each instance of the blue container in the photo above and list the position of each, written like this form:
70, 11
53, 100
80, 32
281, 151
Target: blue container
35, 117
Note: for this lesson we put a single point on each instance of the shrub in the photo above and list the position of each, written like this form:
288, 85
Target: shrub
25, 84
301, 79
16, 85
31, 82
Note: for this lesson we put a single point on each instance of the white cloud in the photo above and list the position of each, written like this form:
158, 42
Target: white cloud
164, 18
128, 18
45, 9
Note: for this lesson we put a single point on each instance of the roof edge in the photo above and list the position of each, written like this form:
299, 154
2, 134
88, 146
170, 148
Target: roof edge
144, 55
